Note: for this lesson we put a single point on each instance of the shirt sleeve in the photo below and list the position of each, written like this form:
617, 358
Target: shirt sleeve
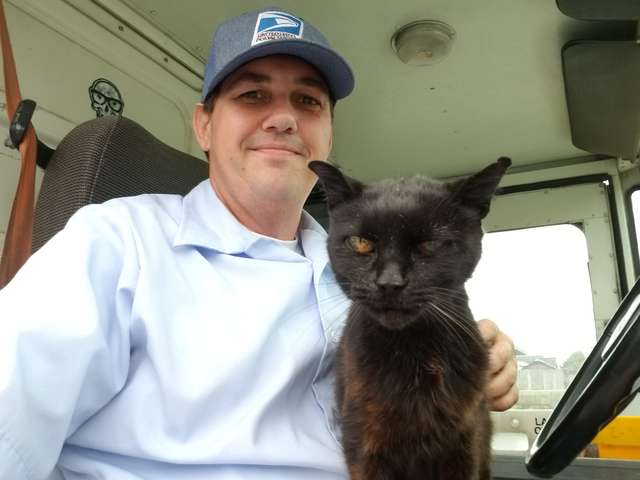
64, 338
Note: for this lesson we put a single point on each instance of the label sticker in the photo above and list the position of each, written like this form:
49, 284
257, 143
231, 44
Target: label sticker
276, 26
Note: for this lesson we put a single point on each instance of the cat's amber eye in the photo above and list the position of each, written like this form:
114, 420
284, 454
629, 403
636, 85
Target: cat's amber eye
360, 245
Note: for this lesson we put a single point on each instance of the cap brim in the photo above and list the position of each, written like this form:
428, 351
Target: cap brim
333, 67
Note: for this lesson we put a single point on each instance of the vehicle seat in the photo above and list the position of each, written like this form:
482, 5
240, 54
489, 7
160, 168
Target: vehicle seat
105, 158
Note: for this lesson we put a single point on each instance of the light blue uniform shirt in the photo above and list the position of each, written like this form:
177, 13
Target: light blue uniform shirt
156, 337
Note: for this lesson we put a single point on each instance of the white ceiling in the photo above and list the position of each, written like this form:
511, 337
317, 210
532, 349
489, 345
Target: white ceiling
500, 92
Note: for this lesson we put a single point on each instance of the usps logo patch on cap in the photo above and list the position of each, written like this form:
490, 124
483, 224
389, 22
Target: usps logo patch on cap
276, 26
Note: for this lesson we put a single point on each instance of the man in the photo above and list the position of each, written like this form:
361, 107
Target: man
193, 337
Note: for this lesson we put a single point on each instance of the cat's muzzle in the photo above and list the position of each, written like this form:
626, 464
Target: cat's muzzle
393, 318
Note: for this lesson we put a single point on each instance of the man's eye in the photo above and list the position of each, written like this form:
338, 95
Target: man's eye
360, 245
253, 95
309, 101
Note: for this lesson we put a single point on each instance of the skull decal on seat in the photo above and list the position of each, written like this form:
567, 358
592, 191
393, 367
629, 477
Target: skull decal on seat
105, 98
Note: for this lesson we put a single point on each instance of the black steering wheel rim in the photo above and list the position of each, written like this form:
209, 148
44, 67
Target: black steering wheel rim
603, 387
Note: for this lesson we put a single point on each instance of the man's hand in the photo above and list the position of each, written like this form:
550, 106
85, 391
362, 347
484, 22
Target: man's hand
502, 390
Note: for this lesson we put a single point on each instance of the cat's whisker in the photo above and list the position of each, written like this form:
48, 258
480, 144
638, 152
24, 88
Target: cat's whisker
444, 321
461, 322
338, 311
361, 294
314, 305
356, 310
328, 298
335, 282
341, 303
447, 291
457, 315
461, 311
341, 316
436, 293
445, 317
328, 328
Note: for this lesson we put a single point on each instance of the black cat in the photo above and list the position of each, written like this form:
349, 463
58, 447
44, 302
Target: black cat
411, 364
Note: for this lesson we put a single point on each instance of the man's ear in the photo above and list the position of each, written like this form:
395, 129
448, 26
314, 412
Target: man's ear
201, 123
338, 187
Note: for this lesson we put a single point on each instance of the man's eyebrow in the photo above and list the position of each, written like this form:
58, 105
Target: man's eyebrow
251, 77
314, 82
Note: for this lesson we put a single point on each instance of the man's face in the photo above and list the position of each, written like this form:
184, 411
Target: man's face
271, 118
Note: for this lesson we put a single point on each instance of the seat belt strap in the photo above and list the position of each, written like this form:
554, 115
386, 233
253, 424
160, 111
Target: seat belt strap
17, 242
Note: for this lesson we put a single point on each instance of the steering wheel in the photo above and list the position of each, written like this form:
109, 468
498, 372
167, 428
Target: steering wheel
603, 387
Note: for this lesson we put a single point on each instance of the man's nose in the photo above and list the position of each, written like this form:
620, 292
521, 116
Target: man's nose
281, 119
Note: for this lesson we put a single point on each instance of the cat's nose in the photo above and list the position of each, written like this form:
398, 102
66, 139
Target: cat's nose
391, 279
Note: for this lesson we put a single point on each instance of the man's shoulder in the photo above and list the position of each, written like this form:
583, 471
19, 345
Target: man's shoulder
148, 205
141, 215
152, 205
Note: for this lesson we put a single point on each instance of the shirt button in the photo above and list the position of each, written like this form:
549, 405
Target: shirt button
335, 335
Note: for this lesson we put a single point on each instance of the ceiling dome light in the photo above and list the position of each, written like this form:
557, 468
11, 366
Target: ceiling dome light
424, 42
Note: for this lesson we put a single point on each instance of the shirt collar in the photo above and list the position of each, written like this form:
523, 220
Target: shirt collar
206, 222
314, 241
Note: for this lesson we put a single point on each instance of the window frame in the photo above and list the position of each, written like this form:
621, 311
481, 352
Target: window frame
608, 184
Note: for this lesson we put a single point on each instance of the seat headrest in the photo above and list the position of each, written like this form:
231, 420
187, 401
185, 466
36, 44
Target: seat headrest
106, 158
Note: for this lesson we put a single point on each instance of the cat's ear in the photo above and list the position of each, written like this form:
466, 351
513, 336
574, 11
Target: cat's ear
477, 190
338, 187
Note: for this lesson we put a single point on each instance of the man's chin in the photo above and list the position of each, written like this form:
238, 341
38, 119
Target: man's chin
280, 179
278, 186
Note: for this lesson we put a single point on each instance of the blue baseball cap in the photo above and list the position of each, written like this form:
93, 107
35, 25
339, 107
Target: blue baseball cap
272, 32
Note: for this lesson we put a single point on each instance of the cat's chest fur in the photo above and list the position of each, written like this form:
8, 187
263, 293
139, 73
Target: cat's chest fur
416, 385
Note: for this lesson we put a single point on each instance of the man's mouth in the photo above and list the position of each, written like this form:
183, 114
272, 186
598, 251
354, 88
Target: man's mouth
276, 149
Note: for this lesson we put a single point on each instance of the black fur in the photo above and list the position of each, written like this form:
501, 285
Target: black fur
411, 365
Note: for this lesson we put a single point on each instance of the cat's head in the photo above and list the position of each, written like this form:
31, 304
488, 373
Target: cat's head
399, 246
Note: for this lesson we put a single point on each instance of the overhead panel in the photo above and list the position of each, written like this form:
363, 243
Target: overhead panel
600, 9
601, 80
